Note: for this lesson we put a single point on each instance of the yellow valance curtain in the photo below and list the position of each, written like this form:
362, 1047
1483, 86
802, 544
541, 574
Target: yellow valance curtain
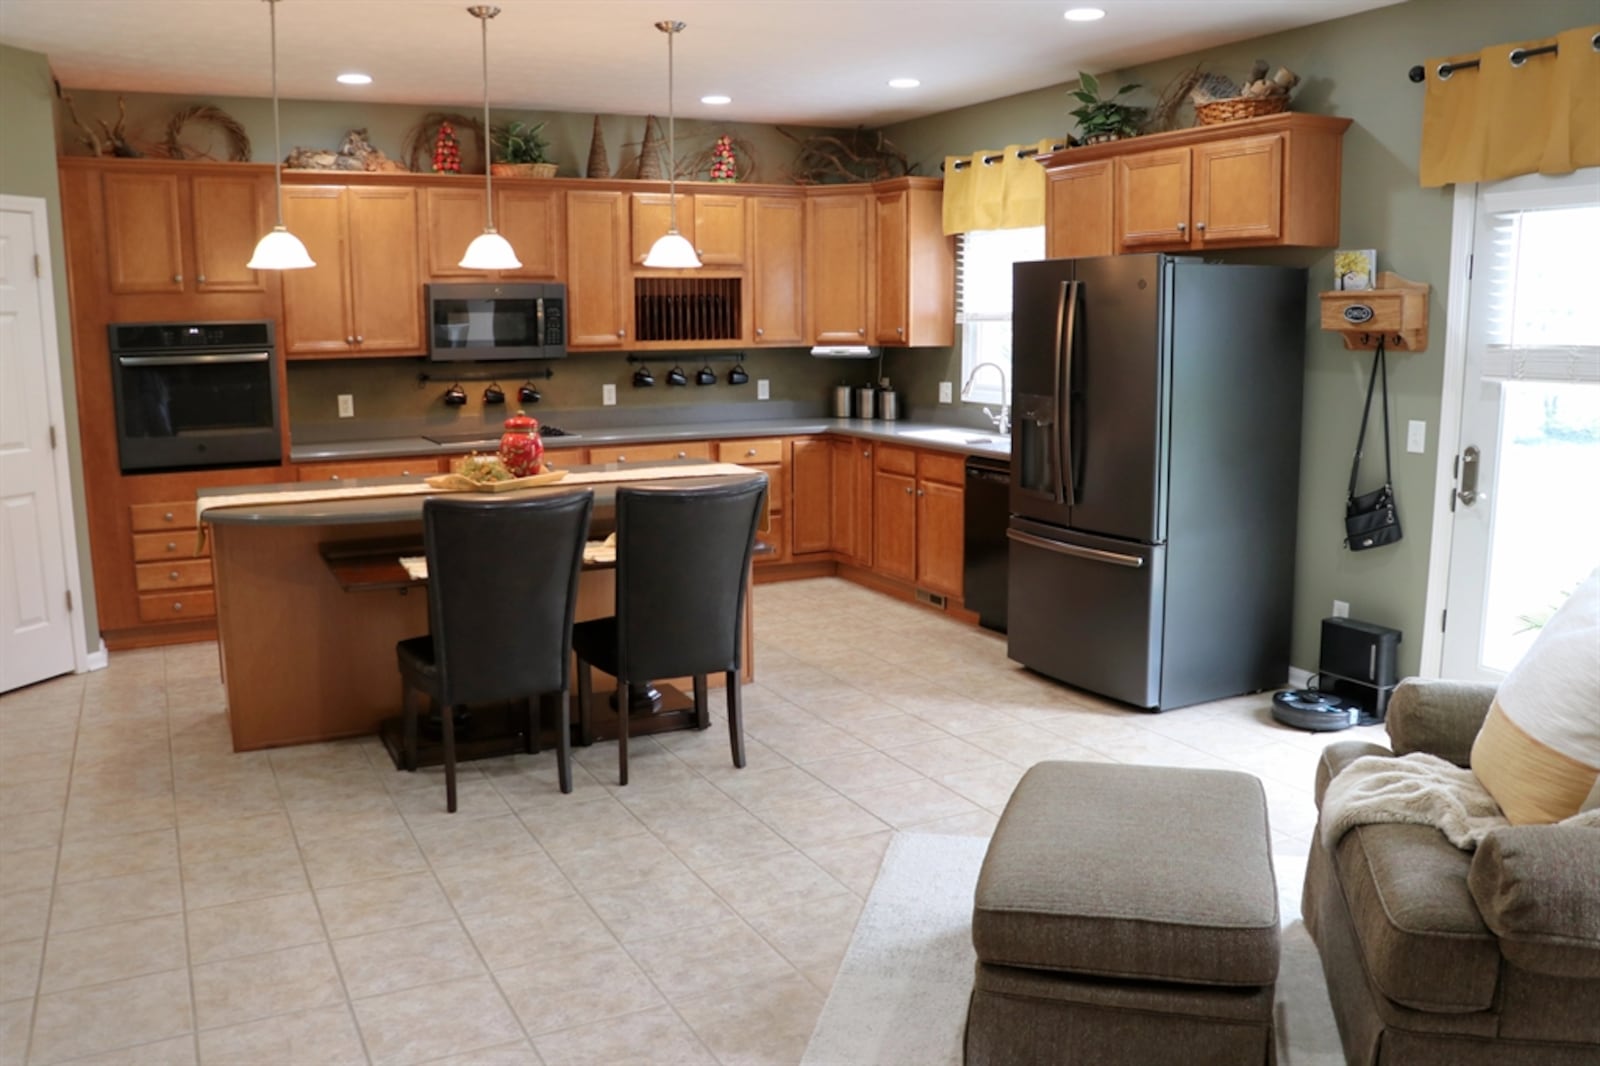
1498, 120
994, 190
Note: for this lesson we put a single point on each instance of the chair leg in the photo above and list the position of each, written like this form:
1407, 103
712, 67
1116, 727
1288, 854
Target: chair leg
585, 698
530, 741
563, 738
622, 732
448, 720
408, 713
702, 708
735, 719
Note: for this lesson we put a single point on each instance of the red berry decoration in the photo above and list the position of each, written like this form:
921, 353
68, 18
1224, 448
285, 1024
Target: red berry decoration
446, 150
723, 166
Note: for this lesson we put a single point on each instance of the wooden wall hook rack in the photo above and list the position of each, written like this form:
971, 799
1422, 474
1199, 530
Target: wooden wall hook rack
1395, 312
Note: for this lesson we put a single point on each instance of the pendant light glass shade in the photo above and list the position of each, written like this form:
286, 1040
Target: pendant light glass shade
672, 250
488, 250
279, 249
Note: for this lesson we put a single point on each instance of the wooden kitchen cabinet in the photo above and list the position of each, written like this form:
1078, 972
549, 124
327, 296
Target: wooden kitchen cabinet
811, 477
777, 270
851, 520
532, 220
348, 469
645, 453
1152, 202
1228, 192
650, 215
1079, 211
839, 264
914, 272
941, 523
183, 234
364, 296
894, 521
599, 308
713, 223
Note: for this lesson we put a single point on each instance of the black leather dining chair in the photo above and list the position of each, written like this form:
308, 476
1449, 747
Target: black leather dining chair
502, 590
683, 555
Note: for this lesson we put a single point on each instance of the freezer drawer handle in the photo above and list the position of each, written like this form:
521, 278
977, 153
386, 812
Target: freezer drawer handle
1095, 554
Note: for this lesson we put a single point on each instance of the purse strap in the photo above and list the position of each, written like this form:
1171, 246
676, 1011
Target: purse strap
1378, 363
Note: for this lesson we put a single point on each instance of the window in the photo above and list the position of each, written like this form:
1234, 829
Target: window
983, 303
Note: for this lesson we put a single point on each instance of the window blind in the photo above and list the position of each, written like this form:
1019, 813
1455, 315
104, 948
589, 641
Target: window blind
1542, 318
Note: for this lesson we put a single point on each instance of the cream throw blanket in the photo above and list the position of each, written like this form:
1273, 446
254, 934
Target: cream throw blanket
1417, 789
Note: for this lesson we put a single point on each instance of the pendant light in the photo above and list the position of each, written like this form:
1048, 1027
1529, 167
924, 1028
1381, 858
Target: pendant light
671, 250
279, 249
488, 250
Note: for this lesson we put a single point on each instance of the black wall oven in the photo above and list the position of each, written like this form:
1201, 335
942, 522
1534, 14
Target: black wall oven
191, 395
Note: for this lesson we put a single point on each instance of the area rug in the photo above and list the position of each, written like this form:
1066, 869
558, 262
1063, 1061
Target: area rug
900, 998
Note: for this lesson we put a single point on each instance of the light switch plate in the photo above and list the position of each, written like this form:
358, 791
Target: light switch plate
608, 395
947, 392
347, 405
763, 389
1341, 609
1416, 435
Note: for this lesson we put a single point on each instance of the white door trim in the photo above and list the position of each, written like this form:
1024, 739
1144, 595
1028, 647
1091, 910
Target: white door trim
1463, 219
38, 210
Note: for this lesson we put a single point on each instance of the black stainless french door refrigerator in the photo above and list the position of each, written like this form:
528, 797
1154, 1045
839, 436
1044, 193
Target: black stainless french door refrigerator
1154, 473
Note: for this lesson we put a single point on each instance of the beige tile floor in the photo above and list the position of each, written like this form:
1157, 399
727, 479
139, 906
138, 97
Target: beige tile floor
163, 900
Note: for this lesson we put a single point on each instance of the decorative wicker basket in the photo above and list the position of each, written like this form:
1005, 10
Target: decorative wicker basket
1219, 111
523, 170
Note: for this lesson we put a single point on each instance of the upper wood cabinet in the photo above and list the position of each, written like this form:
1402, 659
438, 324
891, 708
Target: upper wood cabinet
598, 275
713, 223
533, 220
914, 300
777, 270
839, 264
1260, 182
172, 233
364, 296
651, 215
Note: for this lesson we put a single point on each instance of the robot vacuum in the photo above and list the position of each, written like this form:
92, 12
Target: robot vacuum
1319, 712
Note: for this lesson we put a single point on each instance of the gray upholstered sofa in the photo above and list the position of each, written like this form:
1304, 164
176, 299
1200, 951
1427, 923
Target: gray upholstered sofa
1441, 957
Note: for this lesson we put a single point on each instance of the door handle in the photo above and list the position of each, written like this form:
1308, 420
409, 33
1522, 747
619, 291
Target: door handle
1092, 554
1468, 493
1066, 484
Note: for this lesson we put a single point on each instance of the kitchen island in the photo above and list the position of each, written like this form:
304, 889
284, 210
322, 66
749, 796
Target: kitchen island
311, 597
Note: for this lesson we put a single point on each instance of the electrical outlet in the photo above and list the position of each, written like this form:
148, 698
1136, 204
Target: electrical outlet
947, 392
1416, 435
1341, 609
763, 389
347, 405
608, 395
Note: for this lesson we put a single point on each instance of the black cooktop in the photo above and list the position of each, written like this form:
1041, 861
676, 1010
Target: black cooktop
487, 434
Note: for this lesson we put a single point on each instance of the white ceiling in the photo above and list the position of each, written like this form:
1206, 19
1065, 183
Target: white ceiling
807, 62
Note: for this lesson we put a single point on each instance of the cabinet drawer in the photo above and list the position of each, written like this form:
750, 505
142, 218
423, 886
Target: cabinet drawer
937, 466
419, 466
175, 545
172, 606
894, 460
566, 458
187, 573
172, 514
750, 452
644, 453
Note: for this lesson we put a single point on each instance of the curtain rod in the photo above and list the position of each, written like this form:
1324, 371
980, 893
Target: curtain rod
1023, 153
1517, 57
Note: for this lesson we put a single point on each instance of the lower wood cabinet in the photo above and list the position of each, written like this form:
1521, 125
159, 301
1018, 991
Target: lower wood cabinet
941, 522
345, 470
811, 472
894, 524
851, 520
648, 453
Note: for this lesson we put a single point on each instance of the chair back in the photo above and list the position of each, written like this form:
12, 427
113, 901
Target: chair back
682, 557
502, 589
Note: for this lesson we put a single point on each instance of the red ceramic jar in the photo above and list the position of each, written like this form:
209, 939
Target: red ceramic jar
521, 450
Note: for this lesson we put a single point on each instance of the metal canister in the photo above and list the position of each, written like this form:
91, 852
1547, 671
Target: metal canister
865, 401
841, 401
888, 404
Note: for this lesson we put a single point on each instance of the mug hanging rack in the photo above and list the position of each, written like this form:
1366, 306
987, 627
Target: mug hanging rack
506, 372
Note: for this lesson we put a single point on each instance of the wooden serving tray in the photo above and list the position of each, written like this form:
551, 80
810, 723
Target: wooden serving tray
462, 483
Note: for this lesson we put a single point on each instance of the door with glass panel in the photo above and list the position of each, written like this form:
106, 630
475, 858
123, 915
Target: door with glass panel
1526, 491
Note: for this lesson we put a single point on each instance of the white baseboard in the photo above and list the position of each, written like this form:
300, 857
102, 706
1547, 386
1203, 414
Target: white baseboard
98, 659
1299, 678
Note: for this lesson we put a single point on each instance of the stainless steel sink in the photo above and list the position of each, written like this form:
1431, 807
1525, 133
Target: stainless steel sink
956, 436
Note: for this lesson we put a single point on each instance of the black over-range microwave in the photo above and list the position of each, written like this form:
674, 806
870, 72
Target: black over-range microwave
514, 320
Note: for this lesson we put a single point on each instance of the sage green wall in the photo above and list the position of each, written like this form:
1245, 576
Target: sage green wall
1354, 67
28, 168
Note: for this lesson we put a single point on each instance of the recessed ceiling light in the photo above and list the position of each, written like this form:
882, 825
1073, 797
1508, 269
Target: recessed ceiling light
903, 83
1084, 14
716, 98
354, 79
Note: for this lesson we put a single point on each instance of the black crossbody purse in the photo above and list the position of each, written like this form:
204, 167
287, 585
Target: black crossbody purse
1371, 520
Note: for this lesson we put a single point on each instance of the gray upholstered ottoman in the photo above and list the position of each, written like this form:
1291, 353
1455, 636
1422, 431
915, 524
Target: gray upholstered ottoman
1126, 914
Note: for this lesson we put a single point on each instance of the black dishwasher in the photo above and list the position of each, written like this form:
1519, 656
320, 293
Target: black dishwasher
987, 514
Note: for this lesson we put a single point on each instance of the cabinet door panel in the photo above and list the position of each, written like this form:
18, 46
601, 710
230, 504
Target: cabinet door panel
838, 264
719, 225
385, 271
451, 219
533, 220
1153, 199
893, 298
316, 302
811, 471
894, 526
652, 216
777, 270
144, 245
230, 216
940, 537
597, 273
1238, 190
1079, 211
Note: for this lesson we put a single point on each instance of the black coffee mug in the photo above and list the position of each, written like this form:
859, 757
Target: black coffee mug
676, 376
494, 394
738, 375
642, 378
705, 376
455, 396
527, 393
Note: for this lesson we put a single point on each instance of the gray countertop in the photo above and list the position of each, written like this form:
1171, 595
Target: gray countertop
946, 438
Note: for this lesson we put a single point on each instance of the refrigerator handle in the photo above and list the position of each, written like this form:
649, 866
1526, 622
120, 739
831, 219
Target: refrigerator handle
1077, 551
1066, 346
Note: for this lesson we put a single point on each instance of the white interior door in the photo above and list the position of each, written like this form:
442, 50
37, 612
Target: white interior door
36, 624
1526, 519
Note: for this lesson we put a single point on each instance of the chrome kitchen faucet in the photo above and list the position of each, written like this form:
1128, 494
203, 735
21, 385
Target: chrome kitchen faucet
1002, 421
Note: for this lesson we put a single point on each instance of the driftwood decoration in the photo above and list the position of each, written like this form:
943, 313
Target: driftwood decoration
1164, 115
238, 141
860, 155
599, 164
111, 140
356, 153
417, 151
